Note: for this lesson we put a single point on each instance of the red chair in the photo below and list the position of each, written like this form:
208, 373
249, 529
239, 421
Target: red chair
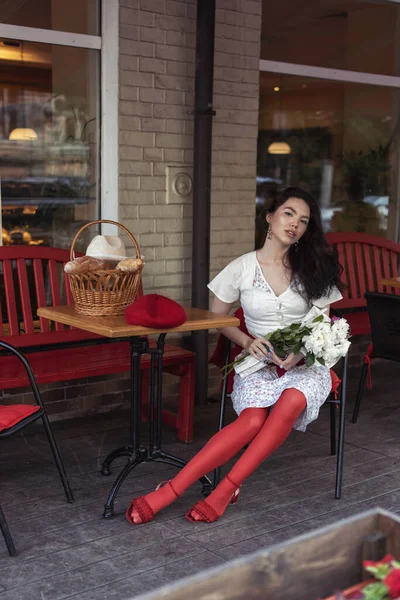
14, 418
366, 260
225, 352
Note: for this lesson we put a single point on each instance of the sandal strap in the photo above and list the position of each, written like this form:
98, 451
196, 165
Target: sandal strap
144, 509
232, 482
173, 489
167, 482
206, 511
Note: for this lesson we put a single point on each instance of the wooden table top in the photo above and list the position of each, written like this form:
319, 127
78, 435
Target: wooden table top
114, 327
392, 282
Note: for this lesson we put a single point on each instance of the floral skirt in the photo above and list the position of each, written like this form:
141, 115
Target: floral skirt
263, 389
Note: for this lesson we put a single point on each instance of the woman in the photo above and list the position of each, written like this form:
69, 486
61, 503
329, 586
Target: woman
276, 285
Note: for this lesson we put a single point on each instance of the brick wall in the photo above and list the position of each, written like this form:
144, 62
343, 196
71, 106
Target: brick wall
157, 52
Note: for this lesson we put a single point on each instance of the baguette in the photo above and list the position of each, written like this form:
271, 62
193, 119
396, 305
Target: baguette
130, 265
85, 264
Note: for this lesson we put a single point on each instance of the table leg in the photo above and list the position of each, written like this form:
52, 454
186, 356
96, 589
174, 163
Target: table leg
157, 453
124, 451
131, 464
134, 451
153, 360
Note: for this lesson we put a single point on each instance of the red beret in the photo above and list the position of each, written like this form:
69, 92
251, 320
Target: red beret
155, 311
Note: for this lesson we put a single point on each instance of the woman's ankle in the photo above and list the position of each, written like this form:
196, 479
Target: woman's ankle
162, 496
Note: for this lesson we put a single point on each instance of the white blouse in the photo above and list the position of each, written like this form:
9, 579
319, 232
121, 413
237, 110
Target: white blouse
263, 311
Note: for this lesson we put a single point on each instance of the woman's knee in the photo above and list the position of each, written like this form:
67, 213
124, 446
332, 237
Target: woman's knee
293, 401
254, 418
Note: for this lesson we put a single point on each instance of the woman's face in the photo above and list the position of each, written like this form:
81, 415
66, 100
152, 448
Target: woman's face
289, 222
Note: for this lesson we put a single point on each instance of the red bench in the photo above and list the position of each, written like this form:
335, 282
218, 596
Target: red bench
31, 277
366, 260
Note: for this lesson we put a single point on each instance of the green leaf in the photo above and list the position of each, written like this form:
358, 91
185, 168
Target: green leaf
310, 360
280, 352
321, 361
375, 591
297, 348
318, 319
380, 570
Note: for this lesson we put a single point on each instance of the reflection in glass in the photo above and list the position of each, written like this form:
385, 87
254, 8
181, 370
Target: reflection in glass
48, 142
76, 16
343, 140
355, 35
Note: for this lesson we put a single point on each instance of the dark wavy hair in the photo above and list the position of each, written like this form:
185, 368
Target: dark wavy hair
314, 264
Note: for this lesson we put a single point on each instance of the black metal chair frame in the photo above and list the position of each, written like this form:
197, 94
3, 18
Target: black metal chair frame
39, 414
332, 401
378, 334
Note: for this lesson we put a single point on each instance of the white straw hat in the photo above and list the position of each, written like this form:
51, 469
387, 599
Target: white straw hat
106, 247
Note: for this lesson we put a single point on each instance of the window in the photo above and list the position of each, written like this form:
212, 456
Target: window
75, 16
330, 109
52, 119
356, 35
341, 140
49, 136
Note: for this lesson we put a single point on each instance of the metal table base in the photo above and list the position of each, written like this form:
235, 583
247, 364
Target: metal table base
135, 452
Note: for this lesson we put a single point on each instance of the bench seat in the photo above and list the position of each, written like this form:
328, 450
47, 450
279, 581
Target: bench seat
33, 276
66, 364
76, 363
358, 321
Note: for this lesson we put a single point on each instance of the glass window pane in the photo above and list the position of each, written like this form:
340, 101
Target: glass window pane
339, 141
49, 140
76, 16
339, 34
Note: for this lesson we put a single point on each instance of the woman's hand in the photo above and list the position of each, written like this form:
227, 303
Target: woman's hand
291, 361
261, 349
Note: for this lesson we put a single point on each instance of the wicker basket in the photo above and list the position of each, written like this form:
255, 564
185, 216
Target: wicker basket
102, 293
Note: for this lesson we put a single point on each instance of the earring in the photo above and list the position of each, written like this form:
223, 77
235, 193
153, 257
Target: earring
269, 232
296, 246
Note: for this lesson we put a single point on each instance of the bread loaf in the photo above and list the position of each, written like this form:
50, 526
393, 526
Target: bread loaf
130, 265
86, 264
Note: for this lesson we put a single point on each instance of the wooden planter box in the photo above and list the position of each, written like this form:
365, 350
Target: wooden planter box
308, 567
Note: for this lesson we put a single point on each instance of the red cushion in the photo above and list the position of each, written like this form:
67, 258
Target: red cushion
359, 322
11, 415
335, 383
155, 311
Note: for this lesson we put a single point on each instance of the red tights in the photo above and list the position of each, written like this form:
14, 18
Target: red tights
265, 435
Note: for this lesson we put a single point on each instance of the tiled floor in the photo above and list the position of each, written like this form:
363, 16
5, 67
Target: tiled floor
69, 551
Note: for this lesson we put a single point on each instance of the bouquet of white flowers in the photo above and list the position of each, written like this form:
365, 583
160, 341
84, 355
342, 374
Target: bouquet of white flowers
322, 340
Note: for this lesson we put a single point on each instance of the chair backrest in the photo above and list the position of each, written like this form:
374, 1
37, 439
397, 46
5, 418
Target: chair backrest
31, 277
366, 260
384, 314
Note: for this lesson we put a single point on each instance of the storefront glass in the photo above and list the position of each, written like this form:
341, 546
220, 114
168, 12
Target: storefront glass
49, 141
338, 34
75, 16
339, 140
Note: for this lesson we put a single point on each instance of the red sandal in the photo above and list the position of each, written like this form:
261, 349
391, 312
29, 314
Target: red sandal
146, 513
206, 511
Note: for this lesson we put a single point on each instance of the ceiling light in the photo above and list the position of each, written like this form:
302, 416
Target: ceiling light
279, 148
23, 134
